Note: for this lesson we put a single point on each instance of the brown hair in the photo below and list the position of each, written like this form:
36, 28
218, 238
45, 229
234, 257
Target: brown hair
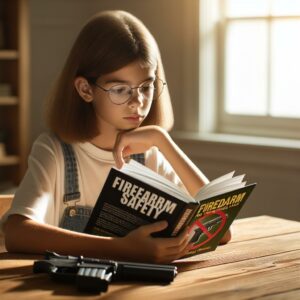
109, 41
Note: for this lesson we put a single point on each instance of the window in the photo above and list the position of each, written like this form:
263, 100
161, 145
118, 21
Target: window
256, 59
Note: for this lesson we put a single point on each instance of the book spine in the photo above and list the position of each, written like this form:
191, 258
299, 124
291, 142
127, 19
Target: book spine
184, 217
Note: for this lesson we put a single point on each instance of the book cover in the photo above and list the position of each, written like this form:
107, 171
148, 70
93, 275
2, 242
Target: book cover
213, 218
138, 196
126, 203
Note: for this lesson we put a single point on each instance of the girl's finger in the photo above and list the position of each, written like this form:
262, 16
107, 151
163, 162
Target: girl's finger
154, 227
176, 250
175, 241
118, 159
186, 250
169, 245
117, 152
177, 255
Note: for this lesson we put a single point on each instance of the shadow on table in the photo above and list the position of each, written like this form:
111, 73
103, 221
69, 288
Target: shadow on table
184, 266
19, 256
22, 279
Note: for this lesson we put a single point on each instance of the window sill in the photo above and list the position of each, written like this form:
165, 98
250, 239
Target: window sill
237, 139
257, 151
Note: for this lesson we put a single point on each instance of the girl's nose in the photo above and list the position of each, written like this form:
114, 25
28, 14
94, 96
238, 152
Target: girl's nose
137, 98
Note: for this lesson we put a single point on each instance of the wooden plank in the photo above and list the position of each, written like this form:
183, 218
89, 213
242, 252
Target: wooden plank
265, 267
260, 227
5, 203
282, 296
9, 160
257, 277
24, 84
242, 280
8, 100
244, 250
8, 54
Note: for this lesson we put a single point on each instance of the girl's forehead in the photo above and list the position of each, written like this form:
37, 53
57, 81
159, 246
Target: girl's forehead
135, 71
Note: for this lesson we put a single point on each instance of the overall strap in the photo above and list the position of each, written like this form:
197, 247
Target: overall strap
140, 157
71, 186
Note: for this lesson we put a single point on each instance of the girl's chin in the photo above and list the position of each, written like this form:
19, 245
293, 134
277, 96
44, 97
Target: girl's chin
127, 127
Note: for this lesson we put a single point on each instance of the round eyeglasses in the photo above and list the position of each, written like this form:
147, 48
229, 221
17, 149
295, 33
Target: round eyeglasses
122, 93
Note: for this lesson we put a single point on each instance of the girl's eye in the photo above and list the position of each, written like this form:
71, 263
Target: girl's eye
122, 89
147, 87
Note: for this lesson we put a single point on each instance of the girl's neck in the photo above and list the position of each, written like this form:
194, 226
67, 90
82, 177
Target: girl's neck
106, 139
103, 142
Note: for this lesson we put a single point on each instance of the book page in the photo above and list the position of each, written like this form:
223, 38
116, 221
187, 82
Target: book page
220, 179
220, 185
140, 172
224, 190
217, 181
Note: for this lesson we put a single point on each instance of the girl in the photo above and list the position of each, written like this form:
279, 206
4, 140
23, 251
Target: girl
110, 102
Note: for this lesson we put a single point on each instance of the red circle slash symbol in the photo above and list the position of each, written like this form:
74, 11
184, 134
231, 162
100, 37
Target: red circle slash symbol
206, 228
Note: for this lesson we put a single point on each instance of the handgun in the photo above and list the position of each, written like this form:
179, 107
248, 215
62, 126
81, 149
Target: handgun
95, 275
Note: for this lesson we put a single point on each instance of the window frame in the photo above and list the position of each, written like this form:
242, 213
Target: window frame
212, 90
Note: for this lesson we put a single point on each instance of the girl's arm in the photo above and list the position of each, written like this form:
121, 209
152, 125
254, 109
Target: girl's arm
141, 139
27, 236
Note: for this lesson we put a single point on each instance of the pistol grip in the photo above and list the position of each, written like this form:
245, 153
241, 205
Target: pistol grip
93, 279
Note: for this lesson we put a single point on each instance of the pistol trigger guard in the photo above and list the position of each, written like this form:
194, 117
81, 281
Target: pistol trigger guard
44, 267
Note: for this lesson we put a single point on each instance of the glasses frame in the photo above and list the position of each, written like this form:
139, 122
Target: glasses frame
92, 81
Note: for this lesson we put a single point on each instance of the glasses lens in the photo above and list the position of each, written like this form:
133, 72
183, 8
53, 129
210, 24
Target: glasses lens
147, 90
120, 93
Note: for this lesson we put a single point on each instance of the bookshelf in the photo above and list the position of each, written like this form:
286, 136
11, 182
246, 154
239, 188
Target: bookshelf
14, 90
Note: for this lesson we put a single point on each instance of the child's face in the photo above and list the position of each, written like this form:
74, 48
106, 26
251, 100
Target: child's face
128, 115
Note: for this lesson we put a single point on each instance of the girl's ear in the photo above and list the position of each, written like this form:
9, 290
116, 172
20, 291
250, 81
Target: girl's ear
84, 89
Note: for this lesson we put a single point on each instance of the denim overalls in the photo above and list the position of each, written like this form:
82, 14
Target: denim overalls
75, 217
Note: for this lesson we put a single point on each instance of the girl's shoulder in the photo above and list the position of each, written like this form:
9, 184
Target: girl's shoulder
46, 143
46, 137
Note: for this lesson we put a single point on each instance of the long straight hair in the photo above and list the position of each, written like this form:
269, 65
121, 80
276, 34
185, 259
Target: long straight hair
109, 41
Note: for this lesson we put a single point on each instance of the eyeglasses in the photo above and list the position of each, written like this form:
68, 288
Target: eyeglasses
122, 93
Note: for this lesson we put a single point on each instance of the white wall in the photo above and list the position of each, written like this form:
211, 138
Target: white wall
54, 25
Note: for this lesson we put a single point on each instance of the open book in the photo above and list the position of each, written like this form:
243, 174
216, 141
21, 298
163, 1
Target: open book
136, 195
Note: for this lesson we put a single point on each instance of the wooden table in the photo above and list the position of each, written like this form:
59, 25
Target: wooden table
261, 262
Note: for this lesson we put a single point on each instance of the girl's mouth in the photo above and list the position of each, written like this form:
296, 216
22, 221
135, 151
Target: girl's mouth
134, 118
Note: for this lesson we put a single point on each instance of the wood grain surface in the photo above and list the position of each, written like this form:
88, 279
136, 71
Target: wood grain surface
261, 262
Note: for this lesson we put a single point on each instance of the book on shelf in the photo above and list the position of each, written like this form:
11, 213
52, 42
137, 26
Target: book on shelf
135, 195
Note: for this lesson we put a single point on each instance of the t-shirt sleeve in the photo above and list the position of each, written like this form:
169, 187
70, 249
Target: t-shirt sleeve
156, 161
34, 197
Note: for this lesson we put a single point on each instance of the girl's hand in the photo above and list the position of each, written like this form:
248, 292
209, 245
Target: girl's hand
139, 245
226, 238
138, 140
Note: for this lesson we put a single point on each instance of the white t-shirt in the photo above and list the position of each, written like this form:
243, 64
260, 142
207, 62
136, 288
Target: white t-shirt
40, 194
